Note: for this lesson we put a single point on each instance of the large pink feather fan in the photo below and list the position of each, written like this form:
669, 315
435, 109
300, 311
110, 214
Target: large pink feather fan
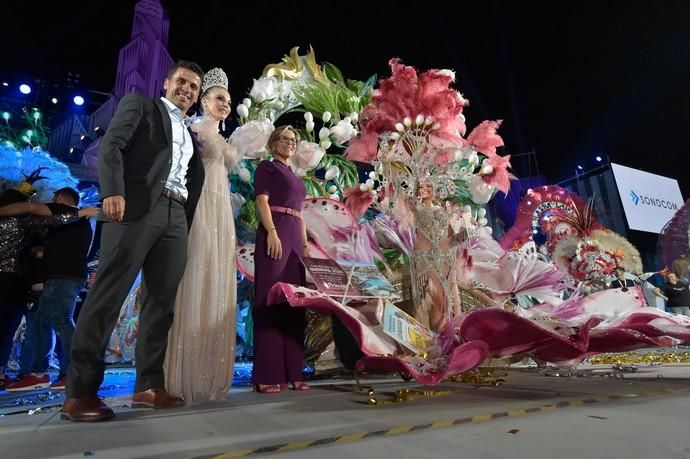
407, 94
358, 200
499, 176
363, 148
485, 139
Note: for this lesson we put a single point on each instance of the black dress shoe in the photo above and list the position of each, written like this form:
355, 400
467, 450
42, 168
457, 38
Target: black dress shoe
88, 409
155, 398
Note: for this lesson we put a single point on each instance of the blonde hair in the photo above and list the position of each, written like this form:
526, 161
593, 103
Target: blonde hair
279, 131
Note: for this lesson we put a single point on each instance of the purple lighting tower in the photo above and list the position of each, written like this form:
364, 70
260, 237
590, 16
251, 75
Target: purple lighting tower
141, 67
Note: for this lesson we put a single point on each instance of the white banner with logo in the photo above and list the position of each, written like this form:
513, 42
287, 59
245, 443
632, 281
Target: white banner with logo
649, 200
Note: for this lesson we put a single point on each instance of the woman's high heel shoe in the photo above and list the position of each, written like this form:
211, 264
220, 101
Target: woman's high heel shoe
299, 385
266, 388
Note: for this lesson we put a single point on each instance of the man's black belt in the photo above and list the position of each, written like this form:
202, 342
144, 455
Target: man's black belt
174, 195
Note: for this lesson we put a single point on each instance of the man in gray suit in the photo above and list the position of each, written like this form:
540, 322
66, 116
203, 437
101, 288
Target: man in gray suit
150, 176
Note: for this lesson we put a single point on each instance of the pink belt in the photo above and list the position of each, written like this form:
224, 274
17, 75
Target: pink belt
286, 210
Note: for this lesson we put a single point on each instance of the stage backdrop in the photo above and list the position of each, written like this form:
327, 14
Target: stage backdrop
649, 200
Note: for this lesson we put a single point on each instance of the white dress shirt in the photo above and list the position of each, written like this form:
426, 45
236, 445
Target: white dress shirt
182, 150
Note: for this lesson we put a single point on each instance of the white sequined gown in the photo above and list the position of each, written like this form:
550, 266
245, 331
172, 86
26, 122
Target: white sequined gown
201, 344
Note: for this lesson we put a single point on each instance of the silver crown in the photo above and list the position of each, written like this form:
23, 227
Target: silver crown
214, 77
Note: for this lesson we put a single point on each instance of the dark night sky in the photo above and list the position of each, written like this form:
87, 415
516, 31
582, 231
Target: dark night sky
570, 79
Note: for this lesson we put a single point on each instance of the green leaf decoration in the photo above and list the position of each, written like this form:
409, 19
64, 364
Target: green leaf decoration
348, 171
365, 91
248, 214
314, 187
333, 73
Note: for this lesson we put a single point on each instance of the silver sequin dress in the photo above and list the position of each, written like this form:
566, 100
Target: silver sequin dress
201, 344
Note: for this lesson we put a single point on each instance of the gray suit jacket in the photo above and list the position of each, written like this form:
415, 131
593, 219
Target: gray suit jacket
135, 157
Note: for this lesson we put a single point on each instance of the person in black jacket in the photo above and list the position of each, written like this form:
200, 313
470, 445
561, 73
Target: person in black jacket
621, 281
64, 269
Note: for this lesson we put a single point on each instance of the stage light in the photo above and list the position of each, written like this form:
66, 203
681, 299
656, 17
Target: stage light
37, 115
82, 137
71, 150
598, 158
54, 100
6, 116
579, 167
78, 100
5, 84
25, 89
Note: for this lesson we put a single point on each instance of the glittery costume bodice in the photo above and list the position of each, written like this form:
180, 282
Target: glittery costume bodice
433, 259
13, 231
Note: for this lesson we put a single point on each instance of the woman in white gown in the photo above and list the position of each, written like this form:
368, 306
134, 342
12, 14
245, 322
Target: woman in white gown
201, 344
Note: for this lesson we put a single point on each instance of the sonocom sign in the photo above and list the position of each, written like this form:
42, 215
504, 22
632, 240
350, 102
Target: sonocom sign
649, 200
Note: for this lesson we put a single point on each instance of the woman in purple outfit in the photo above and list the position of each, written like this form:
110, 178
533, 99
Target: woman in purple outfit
280, 240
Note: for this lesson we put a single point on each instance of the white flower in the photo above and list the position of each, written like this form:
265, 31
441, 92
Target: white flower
481, 192
428, 120
372, 175
264, 89
278, 105
457, 156
342, 132
370, 183
308, 117
488, 229
332, 172
326, 117
354, 117
250, 138
332, 189
395, 136
399, 127
363, 187
307, 156
483, 221
244, 174
488, 169
481, 213
309, 126
324, 132
407, 122
325, 144
243, 110
419, 120
247, 102
347, 119
436, 126
473, 159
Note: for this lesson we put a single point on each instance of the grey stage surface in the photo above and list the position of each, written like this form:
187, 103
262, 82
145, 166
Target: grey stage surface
640, 414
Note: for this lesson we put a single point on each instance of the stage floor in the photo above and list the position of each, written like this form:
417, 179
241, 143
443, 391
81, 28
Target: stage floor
597, 413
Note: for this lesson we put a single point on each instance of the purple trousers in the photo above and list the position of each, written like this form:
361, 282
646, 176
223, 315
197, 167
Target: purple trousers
278, 344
